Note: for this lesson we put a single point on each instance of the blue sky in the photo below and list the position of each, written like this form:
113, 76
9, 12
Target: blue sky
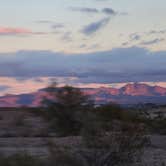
120, 40
131, 16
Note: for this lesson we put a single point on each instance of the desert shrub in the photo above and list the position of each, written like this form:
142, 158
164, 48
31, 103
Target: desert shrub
114, 145
115, 148
115, 111
65, 109
92, 129
19, 122
158, 126
20, 160
62, 155
1, 117
110, 111
112, 115
123, 148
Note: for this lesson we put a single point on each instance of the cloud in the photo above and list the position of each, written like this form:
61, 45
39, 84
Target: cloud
152, 37
151, 42
149, 33
125, 43
95, 26
4, 88
11, 31
83, 46
84, 9
44, 22
14, 31
67, 36
132, 64
109, 11
135, 37
156, 32
58, 26
11, 85
53, 24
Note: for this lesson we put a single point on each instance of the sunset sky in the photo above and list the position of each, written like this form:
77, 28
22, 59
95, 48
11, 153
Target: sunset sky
81, 42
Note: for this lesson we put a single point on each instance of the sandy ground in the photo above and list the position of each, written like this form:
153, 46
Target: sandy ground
18, 131
153, 155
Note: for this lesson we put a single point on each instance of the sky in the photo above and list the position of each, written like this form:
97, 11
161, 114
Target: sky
87, 43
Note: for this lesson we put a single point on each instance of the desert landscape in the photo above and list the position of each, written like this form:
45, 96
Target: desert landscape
82, 83
31, 132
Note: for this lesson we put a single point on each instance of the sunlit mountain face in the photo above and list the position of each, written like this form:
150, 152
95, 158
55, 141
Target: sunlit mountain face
134, 93
24, 85
100, 46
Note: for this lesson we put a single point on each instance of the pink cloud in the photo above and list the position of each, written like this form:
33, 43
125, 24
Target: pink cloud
18, 31
9, 101
10, 30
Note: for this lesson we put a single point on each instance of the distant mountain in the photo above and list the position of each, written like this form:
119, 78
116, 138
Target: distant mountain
129, 94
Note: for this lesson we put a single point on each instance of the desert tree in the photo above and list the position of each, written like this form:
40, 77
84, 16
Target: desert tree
66, 106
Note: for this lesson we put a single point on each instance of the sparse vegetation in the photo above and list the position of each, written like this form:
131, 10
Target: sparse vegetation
107, 135
158, 126
19, 121
65, 109
20, 160
110, 134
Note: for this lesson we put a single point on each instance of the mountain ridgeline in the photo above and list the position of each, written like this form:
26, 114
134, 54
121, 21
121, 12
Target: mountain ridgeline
129, 94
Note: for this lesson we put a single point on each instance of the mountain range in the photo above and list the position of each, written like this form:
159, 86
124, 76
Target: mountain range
129, 94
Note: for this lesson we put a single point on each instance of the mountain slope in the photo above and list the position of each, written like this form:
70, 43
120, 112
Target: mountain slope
129, 94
